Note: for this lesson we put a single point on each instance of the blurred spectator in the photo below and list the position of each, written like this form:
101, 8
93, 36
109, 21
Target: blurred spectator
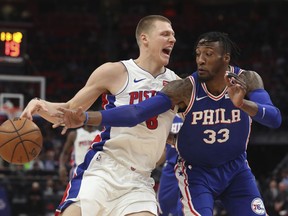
49, 162
281, 202
270, 195
50, 188
35, 202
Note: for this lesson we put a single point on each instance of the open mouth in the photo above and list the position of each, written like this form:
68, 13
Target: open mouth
167, 51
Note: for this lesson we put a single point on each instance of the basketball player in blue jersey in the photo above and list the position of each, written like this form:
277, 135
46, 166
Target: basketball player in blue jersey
168, 193
115, 177
221, 101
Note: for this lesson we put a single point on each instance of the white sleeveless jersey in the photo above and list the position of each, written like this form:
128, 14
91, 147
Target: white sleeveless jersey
82, 143
139, 147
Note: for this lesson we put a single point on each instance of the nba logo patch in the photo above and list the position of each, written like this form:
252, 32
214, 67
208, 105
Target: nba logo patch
257, 206
98, 158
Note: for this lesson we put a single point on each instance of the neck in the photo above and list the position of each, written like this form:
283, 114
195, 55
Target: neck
217, 85
150, 66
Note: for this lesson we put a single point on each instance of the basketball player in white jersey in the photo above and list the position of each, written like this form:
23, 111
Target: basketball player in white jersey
115, 177
77, 143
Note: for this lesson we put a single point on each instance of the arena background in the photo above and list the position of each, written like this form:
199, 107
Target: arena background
64, 41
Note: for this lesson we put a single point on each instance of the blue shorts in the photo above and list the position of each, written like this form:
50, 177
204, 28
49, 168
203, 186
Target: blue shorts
233, 183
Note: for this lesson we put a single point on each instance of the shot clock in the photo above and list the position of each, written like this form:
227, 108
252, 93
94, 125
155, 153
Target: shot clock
12, 44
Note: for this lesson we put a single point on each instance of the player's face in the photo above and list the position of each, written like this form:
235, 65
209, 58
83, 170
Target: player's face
210, 60
161, 40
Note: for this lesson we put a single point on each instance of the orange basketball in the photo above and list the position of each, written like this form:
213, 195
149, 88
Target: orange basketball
20, 140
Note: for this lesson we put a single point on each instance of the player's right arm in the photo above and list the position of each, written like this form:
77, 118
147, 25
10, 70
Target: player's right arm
109, 77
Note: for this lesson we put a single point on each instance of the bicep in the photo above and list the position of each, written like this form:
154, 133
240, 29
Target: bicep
103, 80
253, 80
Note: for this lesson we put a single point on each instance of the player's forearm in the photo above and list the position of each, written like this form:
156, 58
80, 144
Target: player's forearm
262, 110
51, 109
62, 162
131, 115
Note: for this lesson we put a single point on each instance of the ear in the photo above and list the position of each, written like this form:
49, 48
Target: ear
227, 58
144, 38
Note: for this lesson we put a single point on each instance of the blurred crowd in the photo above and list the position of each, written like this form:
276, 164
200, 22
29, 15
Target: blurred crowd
65, 44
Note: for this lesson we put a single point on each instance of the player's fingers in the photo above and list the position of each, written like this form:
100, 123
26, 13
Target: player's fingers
55, 125
227, 80
59, 115
26, 115
64, 130
239, 82
62, 109
235, 78
79, 111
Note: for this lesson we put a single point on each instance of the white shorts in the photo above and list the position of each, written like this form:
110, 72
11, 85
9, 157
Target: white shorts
109, 188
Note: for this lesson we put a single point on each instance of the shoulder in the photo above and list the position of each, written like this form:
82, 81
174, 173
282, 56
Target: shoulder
252, 79
109, 77
111, 67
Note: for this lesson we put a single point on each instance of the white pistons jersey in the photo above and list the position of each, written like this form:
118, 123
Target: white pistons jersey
82, 143
138, 147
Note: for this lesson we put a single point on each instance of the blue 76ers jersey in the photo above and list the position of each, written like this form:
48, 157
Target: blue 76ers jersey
214, 130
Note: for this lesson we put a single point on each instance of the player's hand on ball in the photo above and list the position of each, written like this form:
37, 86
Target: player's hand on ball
69, 118
33, 107
237, 88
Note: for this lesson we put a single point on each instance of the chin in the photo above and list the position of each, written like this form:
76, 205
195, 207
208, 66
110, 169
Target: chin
165, 62
203, 78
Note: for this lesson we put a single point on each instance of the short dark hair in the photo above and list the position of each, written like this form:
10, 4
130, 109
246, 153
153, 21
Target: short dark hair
228, 45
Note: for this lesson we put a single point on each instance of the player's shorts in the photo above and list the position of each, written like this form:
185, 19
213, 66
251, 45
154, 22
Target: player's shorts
233, 183
103, 186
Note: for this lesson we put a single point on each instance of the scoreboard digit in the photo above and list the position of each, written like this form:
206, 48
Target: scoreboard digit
12, 45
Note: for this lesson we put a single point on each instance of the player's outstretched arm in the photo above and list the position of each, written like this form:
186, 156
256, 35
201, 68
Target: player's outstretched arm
123, 116
40, 107
175, 93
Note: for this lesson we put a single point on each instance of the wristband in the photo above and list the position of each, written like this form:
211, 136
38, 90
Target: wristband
86, 118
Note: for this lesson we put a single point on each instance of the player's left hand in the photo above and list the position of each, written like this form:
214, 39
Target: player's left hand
237, 88
69, 118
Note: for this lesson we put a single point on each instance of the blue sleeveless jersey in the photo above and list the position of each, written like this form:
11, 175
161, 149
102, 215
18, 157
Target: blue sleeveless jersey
214, 130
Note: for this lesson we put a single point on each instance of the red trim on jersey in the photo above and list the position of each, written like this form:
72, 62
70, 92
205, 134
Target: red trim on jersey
192, 98
104, 101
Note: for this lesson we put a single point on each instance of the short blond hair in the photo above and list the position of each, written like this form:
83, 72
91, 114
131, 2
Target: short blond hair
145, 24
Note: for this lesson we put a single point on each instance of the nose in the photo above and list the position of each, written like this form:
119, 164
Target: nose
172, 39
200, 59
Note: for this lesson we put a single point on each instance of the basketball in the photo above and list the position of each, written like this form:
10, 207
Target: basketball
20, 140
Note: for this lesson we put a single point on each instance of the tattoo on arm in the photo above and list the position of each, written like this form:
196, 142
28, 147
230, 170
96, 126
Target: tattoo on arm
179, 91
252, 80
